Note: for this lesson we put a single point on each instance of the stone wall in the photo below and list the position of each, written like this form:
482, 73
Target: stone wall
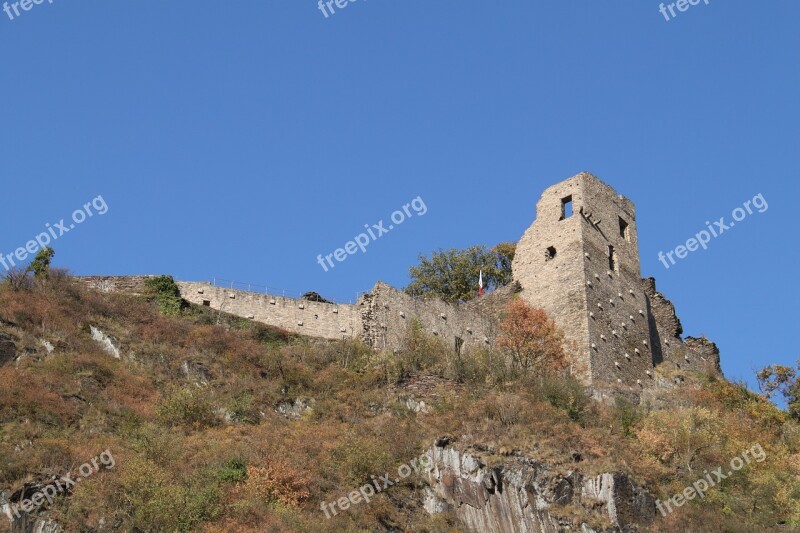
124, 284
380, 317
315, 319
583, 269
619, 329
386, 314
580, 265
549, 265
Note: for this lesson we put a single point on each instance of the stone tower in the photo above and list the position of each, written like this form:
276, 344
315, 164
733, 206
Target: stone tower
580, 262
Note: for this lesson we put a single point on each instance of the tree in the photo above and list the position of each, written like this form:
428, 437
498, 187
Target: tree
532, 338
40, 266
505, 252
784, 380
452, 275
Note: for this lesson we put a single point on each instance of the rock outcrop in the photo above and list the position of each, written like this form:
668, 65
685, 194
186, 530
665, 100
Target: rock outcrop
8, 348
521, 495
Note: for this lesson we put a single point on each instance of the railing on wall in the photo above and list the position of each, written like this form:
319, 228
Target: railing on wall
272, 291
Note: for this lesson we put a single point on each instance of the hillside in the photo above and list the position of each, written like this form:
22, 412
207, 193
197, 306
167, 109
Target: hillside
193, 420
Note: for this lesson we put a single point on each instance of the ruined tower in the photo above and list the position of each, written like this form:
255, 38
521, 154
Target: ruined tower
580, 262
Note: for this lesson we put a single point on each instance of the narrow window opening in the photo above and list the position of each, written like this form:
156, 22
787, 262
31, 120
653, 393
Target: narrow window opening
550, 254
612, 259
566, 207
207, 303
624, 232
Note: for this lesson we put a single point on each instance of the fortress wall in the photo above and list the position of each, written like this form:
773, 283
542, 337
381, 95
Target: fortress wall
387, 313
124, 284
620, 322
582, 268
691, 354
557, 284
315, 319
564, 264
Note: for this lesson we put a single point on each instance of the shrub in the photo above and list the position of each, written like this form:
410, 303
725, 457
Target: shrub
232, 472
156, 502
164, 291
188, 406
627, 415
565, 393
276, 481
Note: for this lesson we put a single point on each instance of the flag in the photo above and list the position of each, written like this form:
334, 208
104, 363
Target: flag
480, 284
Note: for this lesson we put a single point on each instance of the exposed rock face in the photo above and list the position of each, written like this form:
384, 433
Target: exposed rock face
196, 372
522, 496
21, 521
294, 409
105, 342
8, 348
625, 502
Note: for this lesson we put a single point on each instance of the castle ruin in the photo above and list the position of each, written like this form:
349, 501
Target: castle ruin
579, 261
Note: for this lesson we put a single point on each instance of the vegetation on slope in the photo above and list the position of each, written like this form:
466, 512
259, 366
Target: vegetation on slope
198, 416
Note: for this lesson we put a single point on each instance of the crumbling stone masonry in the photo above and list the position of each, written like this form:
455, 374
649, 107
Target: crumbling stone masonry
579, 261
380, 318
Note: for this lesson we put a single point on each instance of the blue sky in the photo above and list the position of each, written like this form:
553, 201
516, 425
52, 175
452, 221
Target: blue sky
241, 139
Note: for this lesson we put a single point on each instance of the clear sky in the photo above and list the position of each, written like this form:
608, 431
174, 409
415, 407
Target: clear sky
242, 139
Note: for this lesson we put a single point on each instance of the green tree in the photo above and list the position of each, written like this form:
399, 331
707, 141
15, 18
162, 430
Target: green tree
784, 380
40, 266
452, 275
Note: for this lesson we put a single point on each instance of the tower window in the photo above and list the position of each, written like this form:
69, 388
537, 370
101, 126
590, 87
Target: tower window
612, 259
566, 207
550, 254
624, 232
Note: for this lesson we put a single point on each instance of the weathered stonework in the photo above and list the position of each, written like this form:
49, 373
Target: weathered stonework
380, 318
579, 261
583, 269
125, 284
315, 319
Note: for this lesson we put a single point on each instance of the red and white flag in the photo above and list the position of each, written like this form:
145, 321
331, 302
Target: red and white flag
480, 284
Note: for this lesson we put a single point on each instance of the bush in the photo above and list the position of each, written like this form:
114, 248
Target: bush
164, 291
565, 393
232, 472
277, 482
187, 407
627, 415
156, 502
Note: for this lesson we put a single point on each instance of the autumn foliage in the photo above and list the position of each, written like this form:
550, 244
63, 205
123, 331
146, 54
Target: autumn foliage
532, 339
